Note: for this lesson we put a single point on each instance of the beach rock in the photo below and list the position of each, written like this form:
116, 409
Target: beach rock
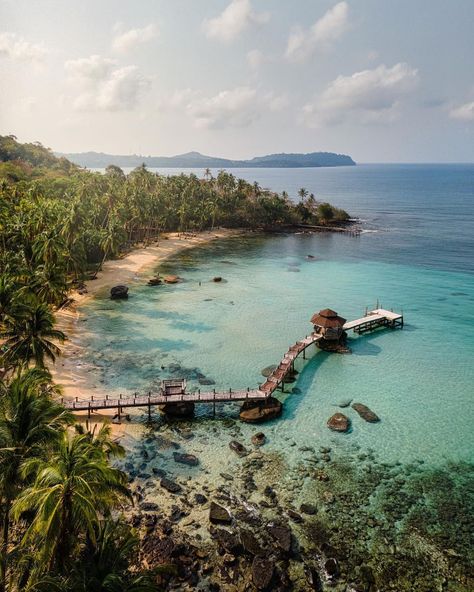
281, 535
186, 459
170, 486
217, 279
338, 422
156, 281
308, 509
119, 293
250, 543
171, 279
344, 403
255, 412
366, 413
262, 572
227, 540
259, 439
200, 498
149, 507
238, 448
219, 515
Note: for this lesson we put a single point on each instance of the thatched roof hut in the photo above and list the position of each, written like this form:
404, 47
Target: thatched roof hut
328, 319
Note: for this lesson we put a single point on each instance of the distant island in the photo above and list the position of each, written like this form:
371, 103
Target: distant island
197, 160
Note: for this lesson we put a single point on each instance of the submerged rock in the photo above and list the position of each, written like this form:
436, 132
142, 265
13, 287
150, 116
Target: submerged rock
259, 439
238, 448
119, 293
254, 412
217, 279
219, 515
156, 281
171, 279
186, 459
338, 422
268, 370
344, 403
366, 413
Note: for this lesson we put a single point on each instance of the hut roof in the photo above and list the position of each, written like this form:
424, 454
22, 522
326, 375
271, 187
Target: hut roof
327, 318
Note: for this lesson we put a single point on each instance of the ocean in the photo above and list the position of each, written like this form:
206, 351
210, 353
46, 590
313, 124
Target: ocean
416, 255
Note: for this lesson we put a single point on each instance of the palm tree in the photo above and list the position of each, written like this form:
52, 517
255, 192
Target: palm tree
29, 420
72, 490
28, 337
302, 193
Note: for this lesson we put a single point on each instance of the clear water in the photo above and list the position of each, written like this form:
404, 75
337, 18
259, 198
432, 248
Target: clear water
420, 380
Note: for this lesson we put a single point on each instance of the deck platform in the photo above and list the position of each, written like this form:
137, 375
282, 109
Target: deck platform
374, 319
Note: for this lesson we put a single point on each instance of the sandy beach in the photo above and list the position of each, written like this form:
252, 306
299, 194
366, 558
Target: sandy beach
69, 371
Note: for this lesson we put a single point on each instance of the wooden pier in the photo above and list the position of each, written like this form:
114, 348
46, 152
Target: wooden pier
173, 391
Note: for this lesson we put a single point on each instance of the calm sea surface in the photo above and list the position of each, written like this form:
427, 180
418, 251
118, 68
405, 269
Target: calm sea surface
417, 256
412, 473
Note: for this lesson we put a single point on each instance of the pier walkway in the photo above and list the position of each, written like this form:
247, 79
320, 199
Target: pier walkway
174, 391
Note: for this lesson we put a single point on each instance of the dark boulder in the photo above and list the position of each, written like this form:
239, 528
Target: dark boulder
217, 279
238, 448
186, 459
308, 509
281, 535
200, 498
149, 507
255, 412
366, 413
119, 293
156, 281
259, 439
219, 515
179, 410
250, 543
338, 422
262, 572
294, 516
332, 568
170, 486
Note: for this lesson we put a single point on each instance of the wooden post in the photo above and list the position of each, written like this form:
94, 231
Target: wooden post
149, 409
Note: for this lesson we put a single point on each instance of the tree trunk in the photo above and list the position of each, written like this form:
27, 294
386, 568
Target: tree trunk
4, 546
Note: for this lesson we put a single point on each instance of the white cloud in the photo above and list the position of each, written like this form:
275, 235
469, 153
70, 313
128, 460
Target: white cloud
17, 48
232, 108
126, 40
228, 25
102, 85
463, 112
367, 96
302, 43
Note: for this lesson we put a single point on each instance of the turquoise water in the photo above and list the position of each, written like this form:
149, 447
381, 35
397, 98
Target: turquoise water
420, 381
394, 499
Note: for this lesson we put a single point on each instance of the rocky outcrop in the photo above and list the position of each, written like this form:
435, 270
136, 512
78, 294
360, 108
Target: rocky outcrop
366, 413
339, 422
171, 279
119, 293
254, 412
219, 515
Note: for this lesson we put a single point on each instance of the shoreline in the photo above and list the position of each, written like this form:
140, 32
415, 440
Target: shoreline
69, 371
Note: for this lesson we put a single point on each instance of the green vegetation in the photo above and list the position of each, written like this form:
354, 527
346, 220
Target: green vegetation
60, 497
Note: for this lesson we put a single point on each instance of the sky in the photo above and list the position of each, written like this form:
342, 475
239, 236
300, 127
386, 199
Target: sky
380, 80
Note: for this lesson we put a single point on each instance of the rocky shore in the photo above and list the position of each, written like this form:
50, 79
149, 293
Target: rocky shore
329, 522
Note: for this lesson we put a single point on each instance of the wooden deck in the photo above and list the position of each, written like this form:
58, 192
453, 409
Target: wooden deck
174, 391
374, 319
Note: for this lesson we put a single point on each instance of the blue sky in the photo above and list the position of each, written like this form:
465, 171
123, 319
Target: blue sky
381, 80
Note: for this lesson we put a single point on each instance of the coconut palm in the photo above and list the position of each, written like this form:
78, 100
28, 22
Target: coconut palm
31, 336
71, 491
303, 192
29, 420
